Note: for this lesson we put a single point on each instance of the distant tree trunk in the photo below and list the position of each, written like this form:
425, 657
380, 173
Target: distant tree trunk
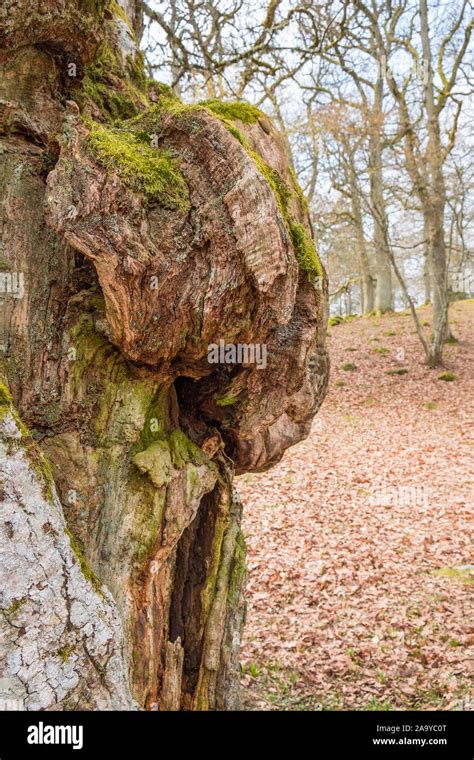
367, 282
131, 265
435, 200
384, 292
426, 264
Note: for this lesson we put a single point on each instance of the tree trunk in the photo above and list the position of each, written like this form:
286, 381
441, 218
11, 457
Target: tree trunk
136, 234
383, 293
367, 282
435, 198
426, 264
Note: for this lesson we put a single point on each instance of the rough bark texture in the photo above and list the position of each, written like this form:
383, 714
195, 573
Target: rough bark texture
144, 230
61, 636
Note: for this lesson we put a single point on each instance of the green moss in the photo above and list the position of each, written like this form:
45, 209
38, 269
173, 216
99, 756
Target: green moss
105, 60
14, 607
65, 652
280, 189
148, 519
228, 400
143, 168
42, 467
156, 423
117, 10
145, 124
161, 89
136, 71
239, 110
336, 320
116, 90
207, 593
298, 190
305, 251
163, 455
349, 367
381, 350
155, 461
5, 397
303, 243
214, 596
95, 7
94, 349
120, 407
448, 377
183, 450
86, 570
114, 104
238, 571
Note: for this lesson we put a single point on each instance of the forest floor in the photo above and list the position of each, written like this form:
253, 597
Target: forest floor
360, 575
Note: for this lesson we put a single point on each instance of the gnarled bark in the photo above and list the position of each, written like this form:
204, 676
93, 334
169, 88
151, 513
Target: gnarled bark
127, 281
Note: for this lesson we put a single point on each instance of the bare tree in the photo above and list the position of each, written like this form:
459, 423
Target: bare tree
425, 149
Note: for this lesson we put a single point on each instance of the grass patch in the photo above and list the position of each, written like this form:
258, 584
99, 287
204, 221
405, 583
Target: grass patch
463, 573
401, 371
448, 377
377, 705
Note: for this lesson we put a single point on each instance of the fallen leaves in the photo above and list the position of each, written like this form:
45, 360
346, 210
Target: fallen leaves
347, 533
